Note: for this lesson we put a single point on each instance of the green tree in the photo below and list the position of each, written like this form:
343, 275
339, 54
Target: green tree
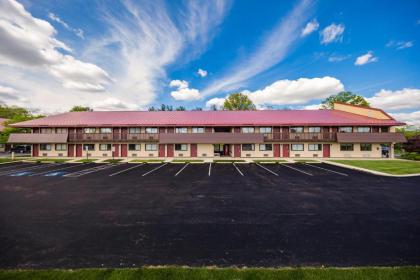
180, 108
344, 97
81, 109
238, 102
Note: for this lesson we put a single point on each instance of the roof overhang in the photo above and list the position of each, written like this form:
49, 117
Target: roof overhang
35, 138
211, 138
360, 137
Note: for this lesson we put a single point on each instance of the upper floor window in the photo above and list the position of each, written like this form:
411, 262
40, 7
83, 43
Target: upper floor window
134, 130
296, 129
384, 129
198, 130
61, 130
45, 147
345, 129
181, 147
265, 129
363, 129
105, 130
88, 147
151, 130
181, 130
314, 129
46, 130
89, 130
248, 130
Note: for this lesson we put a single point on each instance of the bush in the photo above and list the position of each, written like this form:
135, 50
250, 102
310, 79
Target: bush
411, 156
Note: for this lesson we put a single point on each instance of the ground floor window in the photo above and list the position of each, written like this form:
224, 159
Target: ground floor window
134, 147
346, 147
248, 147
181, 147
45, 147
266, 147
105, 147
60, 147
315, 147
366, 147
88, 147
297, 147
151, 147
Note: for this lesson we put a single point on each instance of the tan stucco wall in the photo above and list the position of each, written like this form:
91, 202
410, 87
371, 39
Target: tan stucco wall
361, 111
206, 149
356, 153
256, 153
53, 152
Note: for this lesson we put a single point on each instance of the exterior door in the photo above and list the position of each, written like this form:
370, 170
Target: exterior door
70, 150
124, 150
35, 150
276, 150
237, 150
79, 150
326, 150
161, 150
193, 150
116, 152
286, 150
170, 150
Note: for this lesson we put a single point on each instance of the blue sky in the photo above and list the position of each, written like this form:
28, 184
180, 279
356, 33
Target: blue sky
129, 55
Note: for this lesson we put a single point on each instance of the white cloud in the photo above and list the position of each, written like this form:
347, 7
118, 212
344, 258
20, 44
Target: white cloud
412, 118
78, 32
7, 90
365, 59
271, 51
113, 104
310, 27
338, 58
313, 107
407, 98
202, 73
400, 45
332, 33
295, 92
217, 101
183, 92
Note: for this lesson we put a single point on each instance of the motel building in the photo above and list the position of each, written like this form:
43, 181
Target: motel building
347, 131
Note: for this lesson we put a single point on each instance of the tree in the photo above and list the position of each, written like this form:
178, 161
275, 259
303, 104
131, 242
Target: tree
344, 97
81, 109
180, 108
238, 102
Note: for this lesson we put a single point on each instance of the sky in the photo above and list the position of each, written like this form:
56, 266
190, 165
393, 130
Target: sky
130, 55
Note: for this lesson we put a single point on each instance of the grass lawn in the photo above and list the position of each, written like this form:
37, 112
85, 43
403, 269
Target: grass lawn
395, 167
228, 160
112, 160
365, 273
187, 161
4, 160
56, 160
306, 160
87, 160
269, 160
147, 161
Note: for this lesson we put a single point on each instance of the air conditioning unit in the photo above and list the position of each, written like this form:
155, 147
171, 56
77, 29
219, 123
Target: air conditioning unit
247, 155
44, 154
89, 155
297, 155
60, 155
104, 155
203, 155
180, 155
315, 155
134, 155
150, 155
266, 155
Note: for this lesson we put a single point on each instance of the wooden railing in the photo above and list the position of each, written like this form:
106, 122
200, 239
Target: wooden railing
106, 137
301, 137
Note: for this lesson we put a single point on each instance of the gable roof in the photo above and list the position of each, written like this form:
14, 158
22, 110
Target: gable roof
204, 118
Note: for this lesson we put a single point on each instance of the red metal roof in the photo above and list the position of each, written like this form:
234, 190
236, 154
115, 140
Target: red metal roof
205, 118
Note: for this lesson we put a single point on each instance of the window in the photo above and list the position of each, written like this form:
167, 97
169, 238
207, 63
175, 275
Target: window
266, 147
265, 129
346, 147
60, 147
248, 147
105, 147
61, 130
198, 130
366, 147
134, 147
89, 130
181, 130
248, 130
46, 130
134, 130
105, 130
296, 129
345, 129
384, 129
363, 129
314, 147
151, 147
45, 147
88, 147
151, 130
314, 129
181, 147
297, 147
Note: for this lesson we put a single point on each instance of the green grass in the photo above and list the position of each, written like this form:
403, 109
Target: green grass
410, 156
55, 160
112, 160
228, 160
87, 160
362, 273
306, 160
147, 161
187, 161
395, 167
269, 160
4, 160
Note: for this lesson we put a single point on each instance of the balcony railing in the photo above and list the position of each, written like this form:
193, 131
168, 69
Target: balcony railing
106, 137
299, 137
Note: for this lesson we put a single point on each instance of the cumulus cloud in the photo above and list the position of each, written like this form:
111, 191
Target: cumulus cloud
113, 104
216, 101
400, 45
365, 59
332, 33
78, 32
412, 118
202, 73
310, 27
183, 92
407, 98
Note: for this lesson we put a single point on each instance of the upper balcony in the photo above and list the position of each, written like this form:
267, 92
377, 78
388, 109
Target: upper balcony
300, 137
113, 137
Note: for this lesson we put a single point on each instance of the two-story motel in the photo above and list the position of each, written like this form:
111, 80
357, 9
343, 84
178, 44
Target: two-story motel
347, 131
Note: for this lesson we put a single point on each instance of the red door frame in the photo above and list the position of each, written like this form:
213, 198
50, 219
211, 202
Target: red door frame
326, 150
161, 150
124, 150
70, 150
276, 149
193, 150
35, 150
116, 152
237, 150
79, 150
170, 150
286, 150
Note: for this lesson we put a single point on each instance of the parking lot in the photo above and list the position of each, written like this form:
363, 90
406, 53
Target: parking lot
125, 214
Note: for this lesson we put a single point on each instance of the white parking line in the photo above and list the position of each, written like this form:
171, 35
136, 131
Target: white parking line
339, 173
182, 169
43, 165
90, 170
154, 169
125, 170
210, 169
54, 170
304, 172
242, 174
269, 170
